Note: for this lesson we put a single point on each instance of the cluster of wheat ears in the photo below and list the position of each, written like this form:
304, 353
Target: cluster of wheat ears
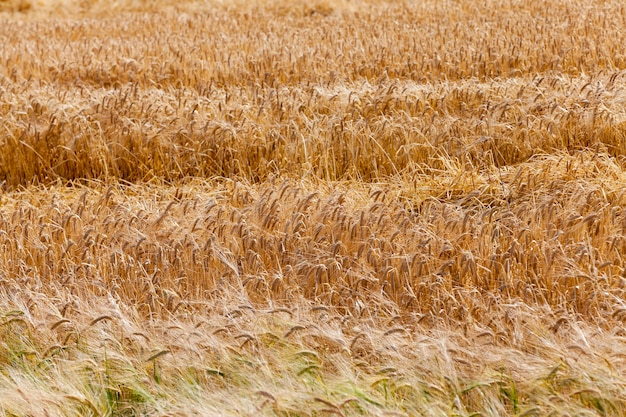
293, 208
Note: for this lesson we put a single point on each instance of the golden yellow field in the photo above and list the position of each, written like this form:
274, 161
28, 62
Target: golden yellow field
294, 208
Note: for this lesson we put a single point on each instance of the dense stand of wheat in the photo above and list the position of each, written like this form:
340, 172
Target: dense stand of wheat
306, 209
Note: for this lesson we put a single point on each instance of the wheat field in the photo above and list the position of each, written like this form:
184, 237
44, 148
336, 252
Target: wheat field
294, 208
